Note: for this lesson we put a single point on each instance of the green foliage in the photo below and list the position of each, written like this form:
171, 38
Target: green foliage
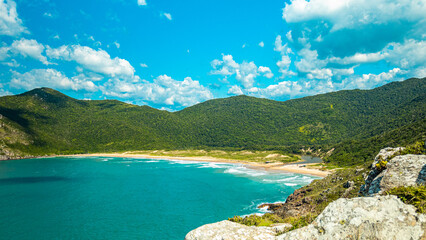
358, 152
298, 222
416, 148
414, 195
54, 123
266, 219
243, 155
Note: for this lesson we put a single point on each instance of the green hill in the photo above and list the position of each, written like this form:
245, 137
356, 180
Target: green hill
45, 121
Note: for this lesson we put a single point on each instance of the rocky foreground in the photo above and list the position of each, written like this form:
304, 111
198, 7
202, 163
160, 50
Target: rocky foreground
373, 216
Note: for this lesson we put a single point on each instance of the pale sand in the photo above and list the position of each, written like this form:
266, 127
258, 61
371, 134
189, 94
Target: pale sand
293, 168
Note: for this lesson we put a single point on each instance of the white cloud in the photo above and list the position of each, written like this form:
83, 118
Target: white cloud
10, 23
367, 81
353, 13
235, 90
96, 60
29, 48
285, 61
289, 36
409, 54
261, 44
245, 73
142, 2
167, 15
359, 58
164, 90
265, 71
144, 65
225, 67
305, 87
324, 73
49, 78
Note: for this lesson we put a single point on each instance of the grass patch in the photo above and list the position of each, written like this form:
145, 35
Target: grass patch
414, 195
243, 155
254, 220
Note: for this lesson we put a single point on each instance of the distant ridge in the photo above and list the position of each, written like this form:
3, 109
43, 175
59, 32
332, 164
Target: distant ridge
45, 121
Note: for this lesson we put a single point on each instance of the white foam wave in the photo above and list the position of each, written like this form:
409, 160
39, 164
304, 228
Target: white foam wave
184, 162
150, 161
290, 184
214, 165
240, 170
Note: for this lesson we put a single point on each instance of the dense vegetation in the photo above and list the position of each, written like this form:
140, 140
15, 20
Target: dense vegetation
356, 122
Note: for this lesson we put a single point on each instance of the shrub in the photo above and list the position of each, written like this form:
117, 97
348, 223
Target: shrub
414, 195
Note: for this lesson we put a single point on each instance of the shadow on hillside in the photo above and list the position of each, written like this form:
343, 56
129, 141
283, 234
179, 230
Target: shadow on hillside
16, 116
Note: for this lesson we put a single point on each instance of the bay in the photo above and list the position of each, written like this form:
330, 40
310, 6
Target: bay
129, 198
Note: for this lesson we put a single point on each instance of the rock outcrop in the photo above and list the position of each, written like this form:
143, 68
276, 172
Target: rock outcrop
373, 217
405, 170
379, 217
227, 230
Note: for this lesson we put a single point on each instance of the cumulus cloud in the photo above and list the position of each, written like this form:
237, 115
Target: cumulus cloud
235, 90
261, 44
354, 13
10, 23
245, 72
359, 58
265, 71
29, 48
346, 28
285, 61
23, 47
96, 60
50, 78
164, 90
409, 54
305, 87
142, 2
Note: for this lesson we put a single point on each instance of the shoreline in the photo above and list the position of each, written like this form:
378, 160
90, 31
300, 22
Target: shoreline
281, 167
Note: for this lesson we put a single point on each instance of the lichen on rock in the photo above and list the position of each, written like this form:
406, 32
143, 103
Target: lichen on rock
379, 217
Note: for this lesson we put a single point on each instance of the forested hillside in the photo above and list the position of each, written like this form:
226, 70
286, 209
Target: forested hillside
45, 121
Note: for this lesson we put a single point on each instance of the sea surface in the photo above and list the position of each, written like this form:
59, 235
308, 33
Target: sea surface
129, 198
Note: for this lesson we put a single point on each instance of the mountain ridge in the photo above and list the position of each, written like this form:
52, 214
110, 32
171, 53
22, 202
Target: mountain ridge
58, 124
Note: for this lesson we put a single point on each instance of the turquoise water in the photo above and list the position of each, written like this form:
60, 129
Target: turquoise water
129, 198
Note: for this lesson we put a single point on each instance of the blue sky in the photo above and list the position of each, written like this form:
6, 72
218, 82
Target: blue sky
174, 54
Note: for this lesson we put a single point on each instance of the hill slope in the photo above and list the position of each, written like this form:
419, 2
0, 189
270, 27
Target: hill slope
45, 121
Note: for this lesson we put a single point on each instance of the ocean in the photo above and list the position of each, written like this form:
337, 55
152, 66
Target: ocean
129, 198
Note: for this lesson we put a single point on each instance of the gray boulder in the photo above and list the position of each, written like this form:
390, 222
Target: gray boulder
379, 217
405, 170
227, 230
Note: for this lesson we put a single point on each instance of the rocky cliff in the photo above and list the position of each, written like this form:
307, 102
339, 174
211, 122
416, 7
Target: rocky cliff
389, 171
372, 217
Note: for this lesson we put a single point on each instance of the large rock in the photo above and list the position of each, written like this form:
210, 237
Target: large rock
227, 230
379, 217
384, 155
405, 170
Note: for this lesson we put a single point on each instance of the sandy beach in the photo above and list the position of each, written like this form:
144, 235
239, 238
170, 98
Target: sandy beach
293, 168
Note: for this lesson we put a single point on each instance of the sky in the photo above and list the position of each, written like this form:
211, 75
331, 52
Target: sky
174, 54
